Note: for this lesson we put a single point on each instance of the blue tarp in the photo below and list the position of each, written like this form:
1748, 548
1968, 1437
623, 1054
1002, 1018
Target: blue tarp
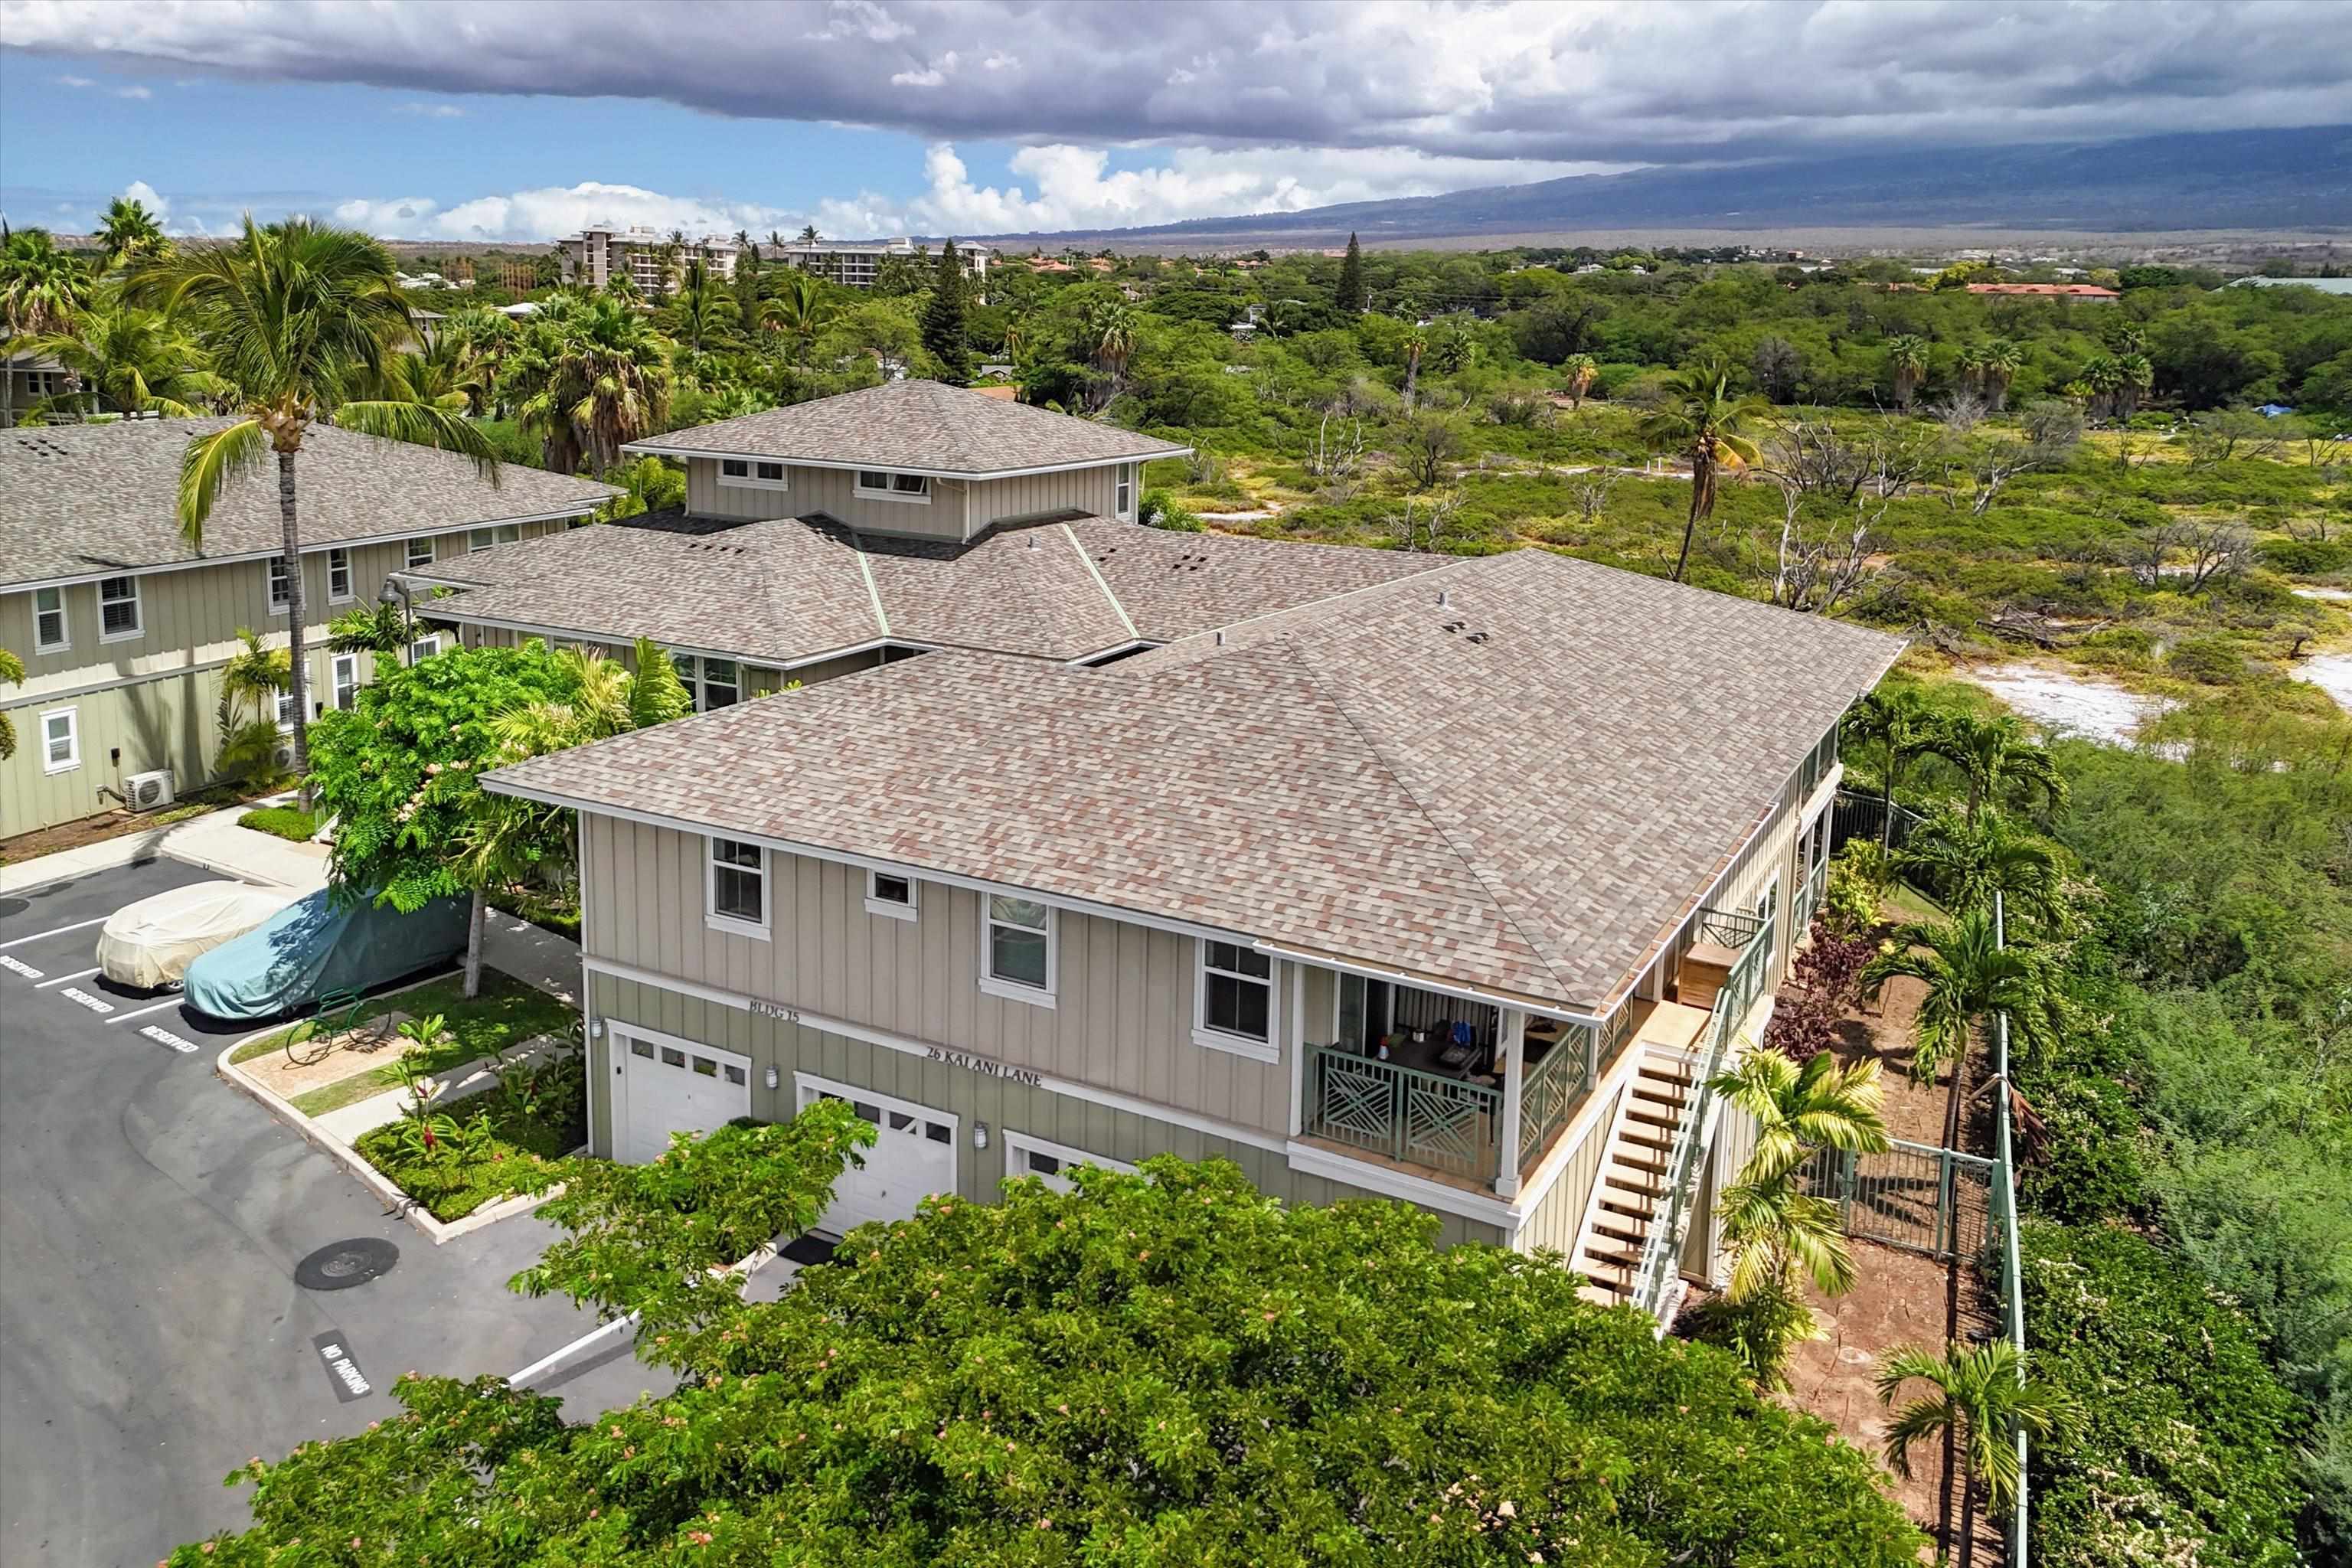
313, 946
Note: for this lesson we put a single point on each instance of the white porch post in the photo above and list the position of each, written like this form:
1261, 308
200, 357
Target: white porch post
1512, 1050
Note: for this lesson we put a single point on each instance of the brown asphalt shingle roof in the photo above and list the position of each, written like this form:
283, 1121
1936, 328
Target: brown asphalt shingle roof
76, 499
1519, 789
787, 590
917, 426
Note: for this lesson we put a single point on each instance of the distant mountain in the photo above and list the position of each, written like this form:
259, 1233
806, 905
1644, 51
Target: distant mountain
2299, 179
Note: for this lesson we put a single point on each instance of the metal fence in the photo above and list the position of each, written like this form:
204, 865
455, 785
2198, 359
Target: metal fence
1924, 1199
1861, 816
2004, 1213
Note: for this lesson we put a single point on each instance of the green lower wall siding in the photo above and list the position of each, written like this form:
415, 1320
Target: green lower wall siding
969, 1096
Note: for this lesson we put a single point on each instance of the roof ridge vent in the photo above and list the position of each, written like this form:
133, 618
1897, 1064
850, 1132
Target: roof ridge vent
1221, 636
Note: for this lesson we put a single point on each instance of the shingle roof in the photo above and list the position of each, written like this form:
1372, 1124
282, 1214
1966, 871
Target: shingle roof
1519, 788
917, 426
788, 591
76, 499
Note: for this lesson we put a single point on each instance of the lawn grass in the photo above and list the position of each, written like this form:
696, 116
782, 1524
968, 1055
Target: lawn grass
506, 1014
288, 821
520, 1156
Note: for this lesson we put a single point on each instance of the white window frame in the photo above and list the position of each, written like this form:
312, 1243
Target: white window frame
1018, 1145
276, 573
338, 559
750, 477
72, 716
410, 559
285, 720
488, 538
876, 904
1123, 493
735, 925
137, 612
1268, 1049
693, 671
1020, 990
64, 642
430, 642
889, 490
345, 663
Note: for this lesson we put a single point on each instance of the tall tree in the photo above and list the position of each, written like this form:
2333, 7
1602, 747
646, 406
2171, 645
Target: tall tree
1110, 335
1997, 364
1999, 761
1908, 354
41, 288
125, 359
1416, 343
297, 316
590, 374
808, 234
699, 310
1350, 297
1966, 865
800, 310
1905, 728
1701, 418
130, 234
943, 319
1580, 371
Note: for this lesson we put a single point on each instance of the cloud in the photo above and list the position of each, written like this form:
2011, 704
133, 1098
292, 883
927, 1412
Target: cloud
75, 81
146, 195
1517, 80
550, 212
430, 110
133, 92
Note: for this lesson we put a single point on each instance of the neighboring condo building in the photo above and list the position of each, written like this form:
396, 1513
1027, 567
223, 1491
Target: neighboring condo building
596, 256
857, 263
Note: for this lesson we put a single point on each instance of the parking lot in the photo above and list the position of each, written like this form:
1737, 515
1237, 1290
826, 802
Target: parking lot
153, 1334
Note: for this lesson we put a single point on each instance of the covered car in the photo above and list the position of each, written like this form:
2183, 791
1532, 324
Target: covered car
317, 945
152, 943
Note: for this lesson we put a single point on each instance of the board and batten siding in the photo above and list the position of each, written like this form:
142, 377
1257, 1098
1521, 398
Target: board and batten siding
1003, 1105
1553, 1223
1125, 993
1090, 490
833, 492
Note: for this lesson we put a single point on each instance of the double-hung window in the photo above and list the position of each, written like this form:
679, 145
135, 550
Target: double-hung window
750, 473
347, 681
889, 895
738, 888
118, 609
286, 711
49, 631
61, 740
339, 575
281, 585
419, 555
1123, 501
1233, 1003
712, 682
881, 485
482, 539
1016, 958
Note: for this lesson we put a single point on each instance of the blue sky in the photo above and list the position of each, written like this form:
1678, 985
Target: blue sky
520, 120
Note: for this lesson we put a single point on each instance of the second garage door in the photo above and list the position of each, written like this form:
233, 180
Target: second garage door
667, 1087
913, 1155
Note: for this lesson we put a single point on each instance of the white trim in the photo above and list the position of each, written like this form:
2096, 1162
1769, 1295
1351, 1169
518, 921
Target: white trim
589, 1037
752, 481
1513, 1024
881, 617
1017, 1142
335, 678
1095, 573
1127, 477
492, 530
1111, 1099
1299, 1042
451, 610
616, 1028
1406, 977
1137, 645
1533, 1189
65, 620
1268, 1049
137, 612
876, 904
863, 491
351, 576
269, 567
419, 640
1018, 990
659, 449
735, 924
1622, 1107
408, 561
1412, 1189
72, 717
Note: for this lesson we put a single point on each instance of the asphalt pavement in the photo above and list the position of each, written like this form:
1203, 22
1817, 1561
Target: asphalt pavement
152, 1336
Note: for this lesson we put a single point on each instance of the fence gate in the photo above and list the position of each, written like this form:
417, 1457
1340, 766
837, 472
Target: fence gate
1924, 1199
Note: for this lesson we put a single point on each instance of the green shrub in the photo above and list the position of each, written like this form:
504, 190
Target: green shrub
516, 1154
290, 822
2308, 557
2209, 659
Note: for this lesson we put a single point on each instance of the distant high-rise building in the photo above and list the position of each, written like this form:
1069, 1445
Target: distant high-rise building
601, 252
857, 263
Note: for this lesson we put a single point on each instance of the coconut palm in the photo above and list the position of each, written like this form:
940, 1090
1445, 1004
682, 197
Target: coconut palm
1776, 1232
300, 317
808, 234
41, 289
1580, 369
1905, 728
251, 682
2000, 762
799, 310
130, 234
1966, 865
12, 670
1984, 1394
1702, 419
699, 310
124, 360
1907, 353
1970, 976
1800, 1110
378, 628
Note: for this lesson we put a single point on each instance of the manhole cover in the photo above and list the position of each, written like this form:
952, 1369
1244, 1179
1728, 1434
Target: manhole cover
340, 1265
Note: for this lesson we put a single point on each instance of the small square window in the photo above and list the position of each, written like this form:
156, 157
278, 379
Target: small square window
739, 886
61, 740
734, 1073
641, 1048
706, 1068
735, 467
889, 895
773, 473
419, 555
672, 1057
49, 621
911, 484
871, 479
118, 608
936, 1132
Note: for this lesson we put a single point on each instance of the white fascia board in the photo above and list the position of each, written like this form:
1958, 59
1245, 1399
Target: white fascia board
877, 465
450, 610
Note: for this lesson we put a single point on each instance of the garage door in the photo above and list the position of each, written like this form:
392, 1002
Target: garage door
666, 1086
912, 1157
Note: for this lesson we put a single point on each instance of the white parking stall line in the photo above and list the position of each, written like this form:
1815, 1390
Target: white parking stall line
60, 980
41, 936
142, 1012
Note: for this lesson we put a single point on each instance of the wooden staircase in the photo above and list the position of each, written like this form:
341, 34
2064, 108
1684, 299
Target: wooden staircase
1633, 1178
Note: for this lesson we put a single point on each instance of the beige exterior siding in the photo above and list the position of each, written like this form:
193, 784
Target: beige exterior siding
959, 508
1004, 1106
1553, 1223
1089, 490
1125, 993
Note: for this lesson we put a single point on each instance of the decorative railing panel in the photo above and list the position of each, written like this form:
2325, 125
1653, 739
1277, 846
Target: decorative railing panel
1550, 1091
1402, 1113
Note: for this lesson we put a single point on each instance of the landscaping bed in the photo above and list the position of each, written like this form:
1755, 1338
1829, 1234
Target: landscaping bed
501, 1143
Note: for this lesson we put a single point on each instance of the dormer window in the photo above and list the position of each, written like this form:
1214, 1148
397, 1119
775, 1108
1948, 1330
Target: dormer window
877, 484
753, 474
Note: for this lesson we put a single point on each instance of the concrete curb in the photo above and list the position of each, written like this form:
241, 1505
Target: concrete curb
394, 1201
603, 1336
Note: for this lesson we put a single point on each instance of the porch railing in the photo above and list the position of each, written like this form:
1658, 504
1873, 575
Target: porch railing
1402, 1113
1728, 928
1660, 1271
1552, 1090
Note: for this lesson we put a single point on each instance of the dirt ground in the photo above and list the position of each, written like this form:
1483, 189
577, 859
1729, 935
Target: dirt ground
275, 1070
1913, 1110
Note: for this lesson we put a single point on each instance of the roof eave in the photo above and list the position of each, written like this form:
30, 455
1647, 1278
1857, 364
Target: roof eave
661, 449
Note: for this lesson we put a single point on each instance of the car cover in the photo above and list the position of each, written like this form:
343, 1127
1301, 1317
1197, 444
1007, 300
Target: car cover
316, 945
152, 943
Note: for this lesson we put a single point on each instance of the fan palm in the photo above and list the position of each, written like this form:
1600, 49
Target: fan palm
1999, 360
41, 289
124, 360
2103, 376
1702, 417
2000, 762
299, 317
130, 234
1966, 865
1581, 371
588, 376
2134, 375
1800, 1110
1905, 728
1110, 335
1983, 1394
1907, 353
1970, 976
1416, 343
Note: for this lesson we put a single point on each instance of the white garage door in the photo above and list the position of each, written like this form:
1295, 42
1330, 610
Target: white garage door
666, 1086
913, 1156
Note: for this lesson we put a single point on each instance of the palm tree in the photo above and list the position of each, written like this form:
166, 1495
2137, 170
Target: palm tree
1908, 352
297, 316
250, 683
129, 234
2104, 376
378, 628
589, 377
2134, 375
1110, 331
12, 670
1999, 362
1966, 865
699, 310
1905, 728
41, 288
124, 360
799, 309
1775, 1231
1702, 417
1983, 1393
808, 234
1970, 976
1581, 371
1999, 760
1800, 1110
